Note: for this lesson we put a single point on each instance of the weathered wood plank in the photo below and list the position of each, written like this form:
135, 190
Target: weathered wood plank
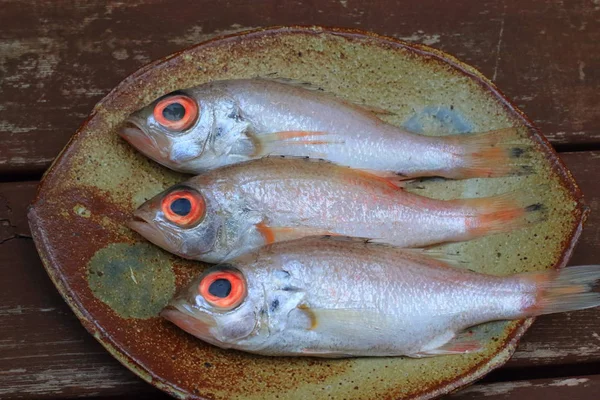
572, 388
58, 59
45, 352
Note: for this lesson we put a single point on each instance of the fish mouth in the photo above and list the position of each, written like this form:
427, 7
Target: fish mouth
135, 135
196, 324
149, 231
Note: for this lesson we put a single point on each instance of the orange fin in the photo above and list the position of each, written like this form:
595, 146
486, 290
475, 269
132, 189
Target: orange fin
492, 154
463, 343
502, 213
564, 290
388, 178
273, 234
276, 142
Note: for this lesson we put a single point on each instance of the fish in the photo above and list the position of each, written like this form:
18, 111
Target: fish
226, 122
234, 209
346, 297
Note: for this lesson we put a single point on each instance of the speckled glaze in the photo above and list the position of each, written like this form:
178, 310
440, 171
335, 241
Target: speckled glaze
78, 216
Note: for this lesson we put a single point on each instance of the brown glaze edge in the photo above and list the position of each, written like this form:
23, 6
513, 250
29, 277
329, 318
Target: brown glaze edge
445, 387
86, 319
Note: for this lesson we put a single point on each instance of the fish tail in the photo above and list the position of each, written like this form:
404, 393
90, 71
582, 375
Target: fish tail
564, 290
492, 154
503, 213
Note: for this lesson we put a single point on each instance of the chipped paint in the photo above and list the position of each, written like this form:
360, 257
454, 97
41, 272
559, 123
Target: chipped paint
569, 382
499, 44
495, 389
581, 66
533, 352
421, 37
120, 54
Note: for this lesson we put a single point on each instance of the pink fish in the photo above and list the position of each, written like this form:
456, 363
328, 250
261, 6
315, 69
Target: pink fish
227, 122
343, 297
238, 208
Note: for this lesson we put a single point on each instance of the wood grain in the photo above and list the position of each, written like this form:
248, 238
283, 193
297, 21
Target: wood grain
45, 352
58, 58
572, 388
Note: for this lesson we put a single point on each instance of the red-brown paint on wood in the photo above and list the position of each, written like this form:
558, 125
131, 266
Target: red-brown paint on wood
57, 59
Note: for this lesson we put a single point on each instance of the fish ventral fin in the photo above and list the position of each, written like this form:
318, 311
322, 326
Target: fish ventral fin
568, 289
491, 154
272, 234
315, 88
462, 343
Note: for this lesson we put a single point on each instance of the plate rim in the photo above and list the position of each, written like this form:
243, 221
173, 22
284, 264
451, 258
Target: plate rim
497, 360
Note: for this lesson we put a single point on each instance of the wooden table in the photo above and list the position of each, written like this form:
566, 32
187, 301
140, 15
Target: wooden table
57, 60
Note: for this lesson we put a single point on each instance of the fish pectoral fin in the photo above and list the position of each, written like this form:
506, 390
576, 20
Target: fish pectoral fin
273, 234
344, 322
276, 142
462, 343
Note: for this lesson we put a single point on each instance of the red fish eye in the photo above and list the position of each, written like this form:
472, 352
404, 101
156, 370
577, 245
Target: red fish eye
223, 289
176, 112
184, 207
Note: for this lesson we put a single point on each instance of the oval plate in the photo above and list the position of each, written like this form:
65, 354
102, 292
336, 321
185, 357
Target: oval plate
116, 282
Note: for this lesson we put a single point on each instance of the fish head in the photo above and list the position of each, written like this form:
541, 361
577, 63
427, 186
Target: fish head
248, 304
218, 307
181, 220
189, 130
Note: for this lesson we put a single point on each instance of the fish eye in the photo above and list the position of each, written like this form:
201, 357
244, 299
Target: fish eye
223, 288
184, 207
176, 112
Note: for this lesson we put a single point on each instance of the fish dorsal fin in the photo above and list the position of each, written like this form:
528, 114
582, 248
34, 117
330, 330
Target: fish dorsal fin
433, 255
312, 87
439, 254
292, 82
388, 178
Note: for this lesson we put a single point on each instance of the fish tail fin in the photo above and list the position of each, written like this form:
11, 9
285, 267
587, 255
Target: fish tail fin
564, 290
492, 154
503, 213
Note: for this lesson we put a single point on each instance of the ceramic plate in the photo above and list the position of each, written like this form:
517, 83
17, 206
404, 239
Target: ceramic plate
116, 282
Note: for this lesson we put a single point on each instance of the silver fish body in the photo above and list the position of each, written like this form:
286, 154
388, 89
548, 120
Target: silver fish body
273, 199
341, 297
246, 119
